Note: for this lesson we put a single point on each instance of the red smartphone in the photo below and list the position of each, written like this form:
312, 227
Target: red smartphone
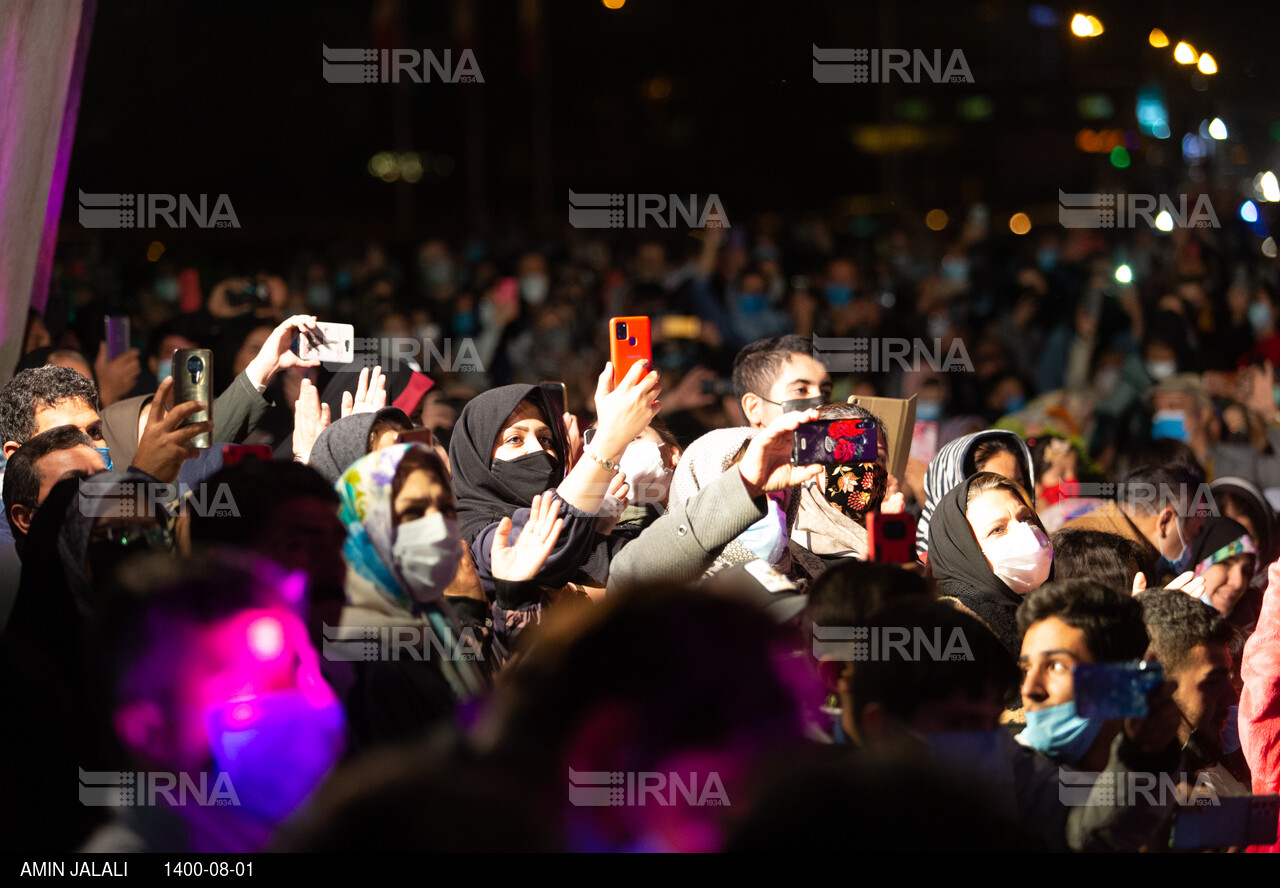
417, 436
233, 453
892, 537
629, 342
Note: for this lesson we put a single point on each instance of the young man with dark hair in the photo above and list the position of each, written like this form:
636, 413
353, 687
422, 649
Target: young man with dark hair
42, 398
1191, 640
949, 705
62, 452
770, 372
1074, 622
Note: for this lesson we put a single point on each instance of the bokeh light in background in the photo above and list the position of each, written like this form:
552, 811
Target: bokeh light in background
154, 251
1217, 129
1157, 38
1207, 65
1269, 248
1083, 25
614, 4
1019, 223
1164, 221
1269, 186
1124, 274
1119, 157
1184, 54
936, 220
1249, 211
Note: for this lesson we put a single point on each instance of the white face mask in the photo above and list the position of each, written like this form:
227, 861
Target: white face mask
647, 473
1161, 370
1022, 557
426, 555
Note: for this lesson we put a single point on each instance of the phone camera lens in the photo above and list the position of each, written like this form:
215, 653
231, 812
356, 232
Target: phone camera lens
620, 330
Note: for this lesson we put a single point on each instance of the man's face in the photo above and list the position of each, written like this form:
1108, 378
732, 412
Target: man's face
1184, 404
801, 377
1050, 650
1204, 692
74, 462
69, 411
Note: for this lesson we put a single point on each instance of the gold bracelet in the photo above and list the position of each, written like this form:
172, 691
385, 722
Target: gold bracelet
607, 464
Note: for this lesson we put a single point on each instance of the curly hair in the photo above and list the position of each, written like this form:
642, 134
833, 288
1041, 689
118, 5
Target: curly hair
38, 389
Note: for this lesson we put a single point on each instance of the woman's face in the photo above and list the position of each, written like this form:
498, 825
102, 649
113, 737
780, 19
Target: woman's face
1226, 582
421, 494
991, 514
526, 431
1006, 464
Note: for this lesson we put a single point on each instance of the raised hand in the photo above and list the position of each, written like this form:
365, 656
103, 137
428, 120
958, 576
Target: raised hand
164, 445
116, 376
310, 418
276, 354
766, 466
524, 560
370, 395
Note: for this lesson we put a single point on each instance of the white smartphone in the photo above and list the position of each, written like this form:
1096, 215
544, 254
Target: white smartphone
332, 343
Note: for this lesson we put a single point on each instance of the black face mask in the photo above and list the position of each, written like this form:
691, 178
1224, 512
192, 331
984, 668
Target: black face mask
529, 475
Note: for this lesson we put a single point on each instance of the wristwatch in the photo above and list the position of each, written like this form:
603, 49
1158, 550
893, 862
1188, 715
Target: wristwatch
607, 464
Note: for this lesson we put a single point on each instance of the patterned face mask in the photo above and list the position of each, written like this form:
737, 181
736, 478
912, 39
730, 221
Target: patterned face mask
856, 489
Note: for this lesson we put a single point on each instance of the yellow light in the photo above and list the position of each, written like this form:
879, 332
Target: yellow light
1184, 54
1207, 64
155, 251
1157, 39
1270, 187
1081, 26
613, 4
1164, 221
936, 220
1095, 26
1019, 223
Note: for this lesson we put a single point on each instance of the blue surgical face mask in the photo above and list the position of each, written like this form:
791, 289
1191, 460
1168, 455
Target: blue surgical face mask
1014, 403
928, 411
752, 303
1231, 731
276, 749
1170, 424
1059, 733
464, 324
106, 455
1182, 563
767, 538
839, 294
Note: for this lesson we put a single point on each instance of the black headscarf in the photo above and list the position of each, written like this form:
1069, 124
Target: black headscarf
345, 441
482, 498
962, 571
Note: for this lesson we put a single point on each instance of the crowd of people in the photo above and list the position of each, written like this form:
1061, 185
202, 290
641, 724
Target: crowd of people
425, 601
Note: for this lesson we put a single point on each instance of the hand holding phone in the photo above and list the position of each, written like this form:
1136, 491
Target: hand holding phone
193, 381
629, 343
1115, 690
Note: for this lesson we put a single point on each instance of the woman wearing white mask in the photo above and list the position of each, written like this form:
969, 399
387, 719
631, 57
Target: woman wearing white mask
988, 549
402, 550
647, 465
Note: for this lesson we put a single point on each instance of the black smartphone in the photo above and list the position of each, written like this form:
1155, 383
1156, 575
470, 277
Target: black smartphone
557, 395
833, 442
1115, 690
193, 381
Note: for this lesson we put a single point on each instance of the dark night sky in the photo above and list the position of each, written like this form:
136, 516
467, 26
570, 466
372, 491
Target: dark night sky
228, 97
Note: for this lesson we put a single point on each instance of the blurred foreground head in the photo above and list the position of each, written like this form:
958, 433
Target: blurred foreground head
647, 714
